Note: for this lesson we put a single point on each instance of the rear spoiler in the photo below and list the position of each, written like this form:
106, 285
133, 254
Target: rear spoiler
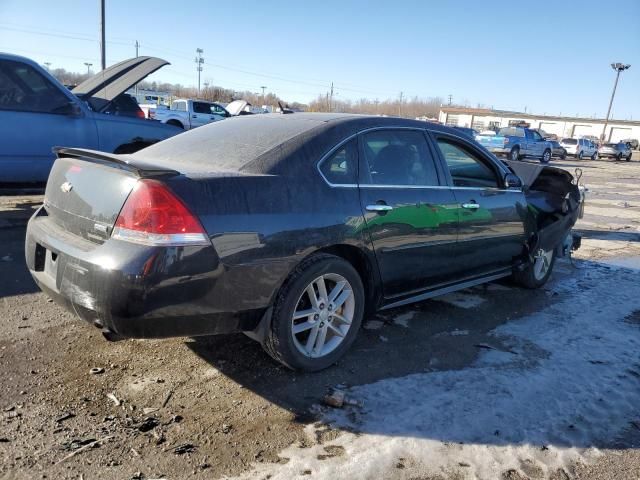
123, 162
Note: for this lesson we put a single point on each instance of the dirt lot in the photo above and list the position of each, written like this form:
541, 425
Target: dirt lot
214, 407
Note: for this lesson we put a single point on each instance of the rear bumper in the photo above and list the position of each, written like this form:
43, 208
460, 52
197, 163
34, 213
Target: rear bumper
134, 290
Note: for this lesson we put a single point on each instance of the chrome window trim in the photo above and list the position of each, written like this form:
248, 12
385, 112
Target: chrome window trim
371, 185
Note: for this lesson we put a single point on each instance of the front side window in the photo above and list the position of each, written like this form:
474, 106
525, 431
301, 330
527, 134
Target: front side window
466, 167
24, 89
397, 157
202, 107
341, 167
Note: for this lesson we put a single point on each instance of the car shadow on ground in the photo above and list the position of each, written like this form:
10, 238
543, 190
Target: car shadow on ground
609, 235
446, 338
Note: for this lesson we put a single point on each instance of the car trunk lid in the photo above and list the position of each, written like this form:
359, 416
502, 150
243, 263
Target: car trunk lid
86, 190
105, 86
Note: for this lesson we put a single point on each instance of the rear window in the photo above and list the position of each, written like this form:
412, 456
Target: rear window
511, 132
228, 145
570, 141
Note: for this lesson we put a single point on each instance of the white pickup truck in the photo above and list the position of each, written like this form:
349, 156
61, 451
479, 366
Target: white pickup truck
188, 114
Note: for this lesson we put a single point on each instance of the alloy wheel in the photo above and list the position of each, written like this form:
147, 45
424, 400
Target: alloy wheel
323, 315
542, 263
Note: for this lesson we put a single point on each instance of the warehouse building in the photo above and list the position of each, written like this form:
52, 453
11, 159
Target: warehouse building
483, 119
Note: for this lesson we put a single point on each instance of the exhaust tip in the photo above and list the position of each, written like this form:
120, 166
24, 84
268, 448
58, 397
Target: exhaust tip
111, 336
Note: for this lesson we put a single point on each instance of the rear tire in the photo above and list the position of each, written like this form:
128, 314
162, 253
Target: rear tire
580, 155
536, 274
629, 157
546, 156
294, 347
564, 155
619, 157
175, 123
594, 156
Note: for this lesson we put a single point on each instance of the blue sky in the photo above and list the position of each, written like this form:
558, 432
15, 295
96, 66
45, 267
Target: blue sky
548, 56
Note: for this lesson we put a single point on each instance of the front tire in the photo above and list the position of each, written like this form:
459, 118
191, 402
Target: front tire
316, 315
580, 155
514, 155
594, 156
536, 274
629, 157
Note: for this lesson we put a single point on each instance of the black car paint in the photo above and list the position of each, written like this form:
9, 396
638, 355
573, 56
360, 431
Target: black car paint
262, 224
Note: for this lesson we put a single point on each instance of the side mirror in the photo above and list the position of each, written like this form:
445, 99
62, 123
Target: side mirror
511, 180
71, 109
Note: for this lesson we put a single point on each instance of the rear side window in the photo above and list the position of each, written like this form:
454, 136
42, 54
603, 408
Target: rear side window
24, 89
569, 141
397, 157
341, 167
181, 106
467, 168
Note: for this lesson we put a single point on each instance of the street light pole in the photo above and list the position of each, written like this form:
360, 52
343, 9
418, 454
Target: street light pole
88, 67
199, 62
103, 54
618, 67
263, 89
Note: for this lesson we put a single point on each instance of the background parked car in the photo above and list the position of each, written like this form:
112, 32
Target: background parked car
580, 148
558, 150
469, 132
633, 143
516, 143
616, 150
37, 113
188, 114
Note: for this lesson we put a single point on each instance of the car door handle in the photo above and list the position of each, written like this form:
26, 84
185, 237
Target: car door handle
471, 206
379, 208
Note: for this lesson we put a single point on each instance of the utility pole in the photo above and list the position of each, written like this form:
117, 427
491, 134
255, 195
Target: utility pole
376, 101
450, 97
331, 99
263, 89
618, 67
400, 105
47, 65
103, 54
136, 87
199, 61
88, 67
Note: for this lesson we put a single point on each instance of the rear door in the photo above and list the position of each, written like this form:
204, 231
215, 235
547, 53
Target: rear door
34, 117
410, 213
491, 229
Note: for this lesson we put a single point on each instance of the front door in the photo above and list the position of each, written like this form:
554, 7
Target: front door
491, 229
201, 114
410, 215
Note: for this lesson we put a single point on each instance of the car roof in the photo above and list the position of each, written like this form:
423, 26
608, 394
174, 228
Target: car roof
266, 143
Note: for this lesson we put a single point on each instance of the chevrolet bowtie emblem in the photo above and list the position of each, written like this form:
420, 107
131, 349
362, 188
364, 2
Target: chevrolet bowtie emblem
66, 187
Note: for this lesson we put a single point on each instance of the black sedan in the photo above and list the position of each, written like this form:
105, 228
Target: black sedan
290, 228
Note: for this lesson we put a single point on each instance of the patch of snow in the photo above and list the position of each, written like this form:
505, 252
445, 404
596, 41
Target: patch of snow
461, 299
571, 389
373, 325
403, 319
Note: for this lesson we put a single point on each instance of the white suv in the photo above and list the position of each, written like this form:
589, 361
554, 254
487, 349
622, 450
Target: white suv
580, 148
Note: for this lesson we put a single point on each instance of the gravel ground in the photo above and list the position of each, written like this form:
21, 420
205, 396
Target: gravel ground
218, 406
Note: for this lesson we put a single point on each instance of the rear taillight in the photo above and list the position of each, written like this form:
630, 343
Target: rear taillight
140, 114
153, 215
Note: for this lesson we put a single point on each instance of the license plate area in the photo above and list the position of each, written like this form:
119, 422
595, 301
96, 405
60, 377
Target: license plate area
46, 261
